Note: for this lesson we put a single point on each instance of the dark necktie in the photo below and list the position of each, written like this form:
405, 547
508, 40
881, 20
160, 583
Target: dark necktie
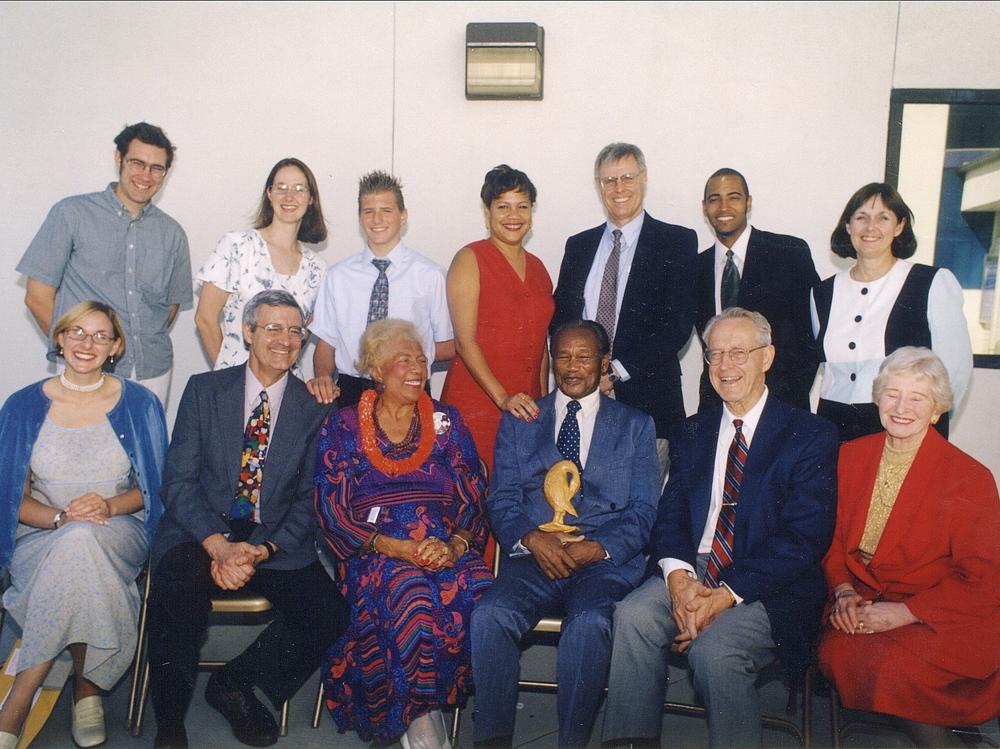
721, 555
568, 441
730, 282
378, 305
607, 302
255, 439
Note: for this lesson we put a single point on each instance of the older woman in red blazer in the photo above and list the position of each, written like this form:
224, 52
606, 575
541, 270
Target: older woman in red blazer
914, 617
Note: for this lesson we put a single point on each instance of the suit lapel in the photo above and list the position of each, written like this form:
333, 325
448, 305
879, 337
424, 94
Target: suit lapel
280, 449
639, 275
545, 434
706, 439
764, 452
608, 422
229, 415
755, 265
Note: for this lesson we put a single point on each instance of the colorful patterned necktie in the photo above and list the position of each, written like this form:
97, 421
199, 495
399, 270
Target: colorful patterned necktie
730, 282
255, 439
607, 302
378, 304
721, 555
568, 441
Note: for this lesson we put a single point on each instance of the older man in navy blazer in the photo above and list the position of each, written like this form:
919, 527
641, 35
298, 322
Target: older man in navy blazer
579, 575
238, 493
645, 299
735, 580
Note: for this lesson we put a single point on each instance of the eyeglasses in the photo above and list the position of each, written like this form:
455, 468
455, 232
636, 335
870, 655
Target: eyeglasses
627, 180
138, 165
276, 330
100, 338
282, 189
736, 355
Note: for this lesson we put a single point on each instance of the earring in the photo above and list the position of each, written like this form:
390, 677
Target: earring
59, 351
111, 360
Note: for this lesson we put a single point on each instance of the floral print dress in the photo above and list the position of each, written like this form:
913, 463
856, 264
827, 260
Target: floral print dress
241, 264
406, 650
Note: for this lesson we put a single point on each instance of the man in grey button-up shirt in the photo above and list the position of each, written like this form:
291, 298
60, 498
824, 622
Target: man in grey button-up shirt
116, 247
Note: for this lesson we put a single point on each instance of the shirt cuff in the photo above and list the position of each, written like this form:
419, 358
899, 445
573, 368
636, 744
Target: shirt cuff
618, 368
733, 593
669, 564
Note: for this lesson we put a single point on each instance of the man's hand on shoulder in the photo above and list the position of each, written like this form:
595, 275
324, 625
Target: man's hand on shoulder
323, 389
551, 553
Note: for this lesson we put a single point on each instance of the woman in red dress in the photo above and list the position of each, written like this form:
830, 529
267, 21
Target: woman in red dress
500, 296
914, 567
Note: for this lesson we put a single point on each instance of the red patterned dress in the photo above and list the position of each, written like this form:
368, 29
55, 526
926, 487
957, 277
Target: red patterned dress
406, 650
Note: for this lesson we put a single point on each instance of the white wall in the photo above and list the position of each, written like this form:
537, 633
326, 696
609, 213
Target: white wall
795, 95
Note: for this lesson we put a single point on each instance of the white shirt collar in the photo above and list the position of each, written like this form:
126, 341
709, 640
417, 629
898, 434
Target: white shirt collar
750, 419
630, 232
739, 249
251, 394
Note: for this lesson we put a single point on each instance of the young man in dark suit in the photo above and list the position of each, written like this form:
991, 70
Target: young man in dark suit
238, 497
760, 271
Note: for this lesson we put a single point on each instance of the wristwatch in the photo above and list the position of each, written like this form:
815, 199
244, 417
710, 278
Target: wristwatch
57, 518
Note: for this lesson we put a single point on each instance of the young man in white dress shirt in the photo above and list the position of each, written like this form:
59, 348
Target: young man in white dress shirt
364, 288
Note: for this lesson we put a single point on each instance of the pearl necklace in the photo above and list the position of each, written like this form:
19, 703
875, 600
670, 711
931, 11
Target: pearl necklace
80, 388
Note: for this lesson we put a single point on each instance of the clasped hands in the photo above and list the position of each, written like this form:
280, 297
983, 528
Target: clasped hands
852, 614
89, 507
233, 563
695, 606
561, 554
431, 553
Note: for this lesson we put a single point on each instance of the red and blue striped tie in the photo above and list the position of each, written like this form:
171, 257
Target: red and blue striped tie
721, 555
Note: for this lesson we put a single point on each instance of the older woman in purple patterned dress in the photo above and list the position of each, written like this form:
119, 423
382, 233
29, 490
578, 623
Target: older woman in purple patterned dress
400, 501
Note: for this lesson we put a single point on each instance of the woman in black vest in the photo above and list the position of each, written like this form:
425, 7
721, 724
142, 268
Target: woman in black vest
883, 302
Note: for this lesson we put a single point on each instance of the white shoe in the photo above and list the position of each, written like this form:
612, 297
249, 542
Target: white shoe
88, 722
8, 740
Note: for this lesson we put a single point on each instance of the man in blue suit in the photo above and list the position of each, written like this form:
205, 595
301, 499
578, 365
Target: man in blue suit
238, 497
636, 277
578, 575
735, 581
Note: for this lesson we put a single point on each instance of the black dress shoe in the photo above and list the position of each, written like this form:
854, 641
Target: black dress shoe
170, 738
252, 723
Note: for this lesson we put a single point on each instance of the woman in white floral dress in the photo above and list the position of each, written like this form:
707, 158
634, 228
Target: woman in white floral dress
268, 256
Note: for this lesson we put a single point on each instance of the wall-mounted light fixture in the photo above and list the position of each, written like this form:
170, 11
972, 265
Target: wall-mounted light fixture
504, 60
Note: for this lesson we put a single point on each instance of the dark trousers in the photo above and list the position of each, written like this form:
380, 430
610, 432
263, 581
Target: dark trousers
520, 597
310, 615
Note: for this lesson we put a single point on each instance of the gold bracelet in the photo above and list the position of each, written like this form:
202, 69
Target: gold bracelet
463, 540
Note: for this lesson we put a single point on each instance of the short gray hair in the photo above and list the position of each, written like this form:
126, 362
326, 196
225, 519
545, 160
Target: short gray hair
920, 362
380, 334
738, 313
268, 298
614, 152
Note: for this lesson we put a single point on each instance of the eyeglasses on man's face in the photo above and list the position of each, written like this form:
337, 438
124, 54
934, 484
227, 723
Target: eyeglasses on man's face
736, 355
626, 180
100, 337
138, 165
276, 330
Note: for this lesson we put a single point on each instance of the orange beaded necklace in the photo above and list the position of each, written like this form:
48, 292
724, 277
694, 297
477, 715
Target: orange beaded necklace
369, 443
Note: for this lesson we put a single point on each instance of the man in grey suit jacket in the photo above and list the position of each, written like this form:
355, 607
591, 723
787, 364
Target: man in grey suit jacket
239, 516
580, 574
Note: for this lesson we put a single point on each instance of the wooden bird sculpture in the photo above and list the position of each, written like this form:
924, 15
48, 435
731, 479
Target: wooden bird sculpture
561, 484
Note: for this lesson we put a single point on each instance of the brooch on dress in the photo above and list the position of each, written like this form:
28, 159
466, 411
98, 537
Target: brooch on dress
442, 422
